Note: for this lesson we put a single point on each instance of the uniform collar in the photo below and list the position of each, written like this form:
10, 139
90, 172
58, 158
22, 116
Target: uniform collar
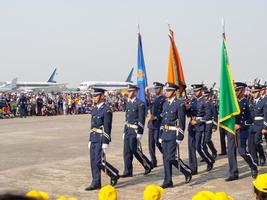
198, 98
131, 100
257, 99
241, 99
171, 100
99, 105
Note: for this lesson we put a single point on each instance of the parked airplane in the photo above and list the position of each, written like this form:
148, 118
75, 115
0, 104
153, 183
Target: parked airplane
30, 86
7, 87
108, 85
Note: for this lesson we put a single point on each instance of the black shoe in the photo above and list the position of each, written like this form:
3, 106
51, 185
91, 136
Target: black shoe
202, 160
92, 188
209, 167
194, 173
262, 161
233, 178
114, 180
167, 185
147, 171
214, 156
188, 178
254, 173
126, 175
222, 154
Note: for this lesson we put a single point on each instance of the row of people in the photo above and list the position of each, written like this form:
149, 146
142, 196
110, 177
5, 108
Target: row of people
166, 125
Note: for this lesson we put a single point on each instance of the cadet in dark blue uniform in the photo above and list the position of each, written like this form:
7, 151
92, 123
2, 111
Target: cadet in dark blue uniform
211, 123
259, 106
100, 136
199, 113
133, 131
242, 127
172, 134
155, 122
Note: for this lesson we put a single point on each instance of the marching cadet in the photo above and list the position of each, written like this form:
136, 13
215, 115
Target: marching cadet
242, 127
100, 136
211, 123
172, 134
155, 122
133, 131
260, 114
199, 113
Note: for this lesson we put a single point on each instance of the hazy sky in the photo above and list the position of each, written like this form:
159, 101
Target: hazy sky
97, 40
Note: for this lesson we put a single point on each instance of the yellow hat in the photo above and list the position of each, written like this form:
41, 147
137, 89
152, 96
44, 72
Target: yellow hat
38, 195
203, 195
222, 196
261, 183
61, 198
153, 192
107, 193
64, 198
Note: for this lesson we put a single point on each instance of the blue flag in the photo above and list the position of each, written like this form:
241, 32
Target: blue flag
141, 72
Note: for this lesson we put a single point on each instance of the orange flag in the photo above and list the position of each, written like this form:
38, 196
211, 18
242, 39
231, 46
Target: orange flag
175, 69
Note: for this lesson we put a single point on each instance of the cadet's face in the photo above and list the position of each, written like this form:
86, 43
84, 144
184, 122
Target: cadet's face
198, 93
96, 99
169, 93
240, 92
262, 92
158, 91
132, 94
255, 95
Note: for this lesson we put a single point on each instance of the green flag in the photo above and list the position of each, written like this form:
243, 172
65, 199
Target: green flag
229, 106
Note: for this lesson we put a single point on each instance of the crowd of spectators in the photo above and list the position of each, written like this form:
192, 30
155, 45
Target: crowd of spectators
50, 104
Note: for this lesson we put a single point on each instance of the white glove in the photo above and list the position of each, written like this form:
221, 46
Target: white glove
160, 140
179, 141
139, 136
123, 135
104, 147
89, 144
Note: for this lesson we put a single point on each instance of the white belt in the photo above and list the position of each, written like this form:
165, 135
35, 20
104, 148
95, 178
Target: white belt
170, 128
199, 118
209, 122
97, 130
258, 118
132, 126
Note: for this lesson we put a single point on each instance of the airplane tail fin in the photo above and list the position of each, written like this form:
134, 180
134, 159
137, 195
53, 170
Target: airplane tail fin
52, 77
14, 83
130, 76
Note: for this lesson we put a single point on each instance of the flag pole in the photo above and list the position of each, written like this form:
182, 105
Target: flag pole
138, 28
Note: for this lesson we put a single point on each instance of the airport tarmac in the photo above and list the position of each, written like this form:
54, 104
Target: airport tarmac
50, 154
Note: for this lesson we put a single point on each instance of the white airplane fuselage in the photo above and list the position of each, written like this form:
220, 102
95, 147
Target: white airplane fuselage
109, 85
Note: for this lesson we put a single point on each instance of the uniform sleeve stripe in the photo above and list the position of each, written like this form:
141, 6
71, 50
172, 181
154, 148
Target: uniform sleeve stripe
140, 124
106, 135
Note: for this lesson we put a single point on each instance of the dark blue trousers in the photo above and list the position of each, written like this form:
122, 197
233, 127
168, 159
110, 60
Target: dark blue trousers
153, 141
98, 164
255, 145
196, 142
223, 134
208, 139
169, 151
132, 148
241, 139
